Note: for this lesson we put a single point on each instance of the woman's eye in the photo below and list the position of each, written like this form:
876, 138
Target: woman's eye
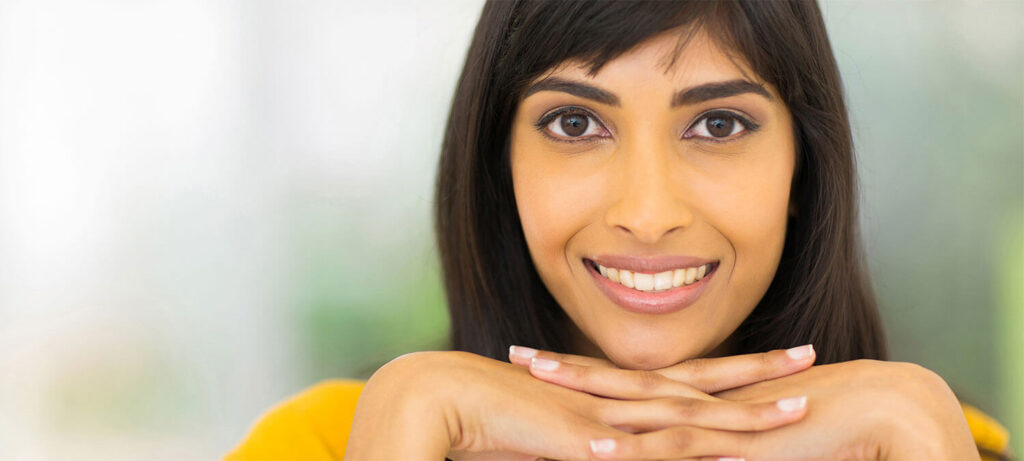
719, 126
573, 126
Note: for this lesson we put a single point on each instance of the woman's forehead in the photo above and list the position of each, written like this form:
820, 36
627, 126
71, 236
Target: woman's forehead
660, 61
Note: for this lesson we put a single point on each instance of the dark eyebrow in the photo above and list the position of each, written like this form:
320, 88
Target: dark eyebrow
709, 91
574, 88
692, 95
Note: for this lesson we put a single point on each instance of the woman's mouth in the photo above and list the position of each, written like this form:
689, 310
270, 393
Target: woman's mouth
647, 291
661, 281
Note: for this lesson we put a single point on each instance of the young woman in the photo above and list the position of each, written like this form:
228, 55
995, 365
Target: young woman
654, 203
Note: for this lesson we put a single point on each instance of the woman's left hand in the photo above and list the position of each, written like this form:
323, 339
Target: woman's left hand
862, 409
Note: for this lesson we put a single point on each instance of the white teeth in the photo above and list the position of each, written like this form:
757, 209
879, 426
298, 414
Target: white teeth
663, 280
691, 273
626, 278
678, 277
655, 282
643, 282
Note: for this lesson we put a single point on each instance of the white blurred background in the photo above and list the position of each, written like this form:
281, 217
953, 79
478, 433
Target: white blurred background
207, 206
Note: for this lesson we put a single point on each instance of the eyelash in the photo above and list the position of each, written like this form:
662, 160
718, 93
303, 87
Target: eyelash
546, 120
748, 125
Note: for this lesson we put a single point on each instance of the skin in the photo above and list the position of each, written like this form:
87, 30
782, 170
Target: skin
644, 190
654, 386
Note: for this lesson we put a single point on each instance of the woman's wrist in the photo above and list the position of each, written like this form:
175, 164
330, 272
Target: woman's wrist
401, 414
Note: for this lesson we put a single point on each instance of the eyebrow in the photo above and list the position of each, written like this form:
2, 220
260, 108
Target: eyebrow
715, 90
687, 96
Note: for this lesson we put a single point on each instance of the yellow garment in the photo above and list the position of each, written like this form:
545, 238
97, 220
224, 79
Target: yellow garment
314, 426
310, 426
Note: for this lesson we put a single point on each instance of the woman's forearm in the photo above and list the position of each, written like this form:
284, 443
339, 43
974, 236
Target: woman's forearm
396, 419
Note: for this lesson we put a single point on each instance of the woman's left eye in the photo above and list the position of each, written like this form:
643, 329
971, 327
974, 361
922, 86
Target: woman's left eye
719, 126
571, 125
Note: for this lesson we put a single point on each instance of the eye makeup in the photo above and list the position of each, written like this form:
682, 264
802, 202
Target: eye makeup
542, 124
749, 126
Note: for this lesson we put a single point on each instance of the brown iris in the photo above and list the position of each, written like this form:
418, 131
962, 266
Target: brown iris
574, 124
719, 127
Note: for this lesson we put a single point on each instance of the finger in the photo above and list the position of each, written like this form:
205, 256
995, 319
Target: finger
711, 375
570, 441
521, 355
674, 442
710, 458
657, 414
614, 383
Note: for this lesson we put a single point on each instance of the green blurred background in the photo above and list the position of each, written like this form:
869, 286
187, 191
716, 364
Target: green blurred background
207, 206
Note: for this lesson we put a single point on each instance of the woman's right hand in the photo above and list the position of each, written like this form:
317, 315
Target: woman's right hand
429, 405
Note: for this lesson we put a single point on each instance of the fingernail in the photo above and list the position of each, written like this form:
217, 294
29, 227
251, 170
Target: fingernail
543, 364
522, 352
800, 352
602, 446
792, 404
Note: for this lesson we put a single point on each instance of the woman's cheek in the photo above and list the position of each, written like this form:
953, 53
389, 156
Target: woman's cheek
553, 201
754, 212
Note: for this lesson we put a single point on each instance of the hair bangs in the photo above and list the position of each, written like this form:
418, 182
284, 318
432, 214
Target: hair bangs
594, 33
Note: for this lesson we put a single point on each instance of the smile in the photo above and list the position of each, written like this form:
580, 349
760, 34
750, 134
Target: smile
655, 282
649, 287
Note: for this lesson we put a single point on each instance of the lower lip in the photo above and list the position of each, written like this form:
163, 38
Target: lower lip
662, 302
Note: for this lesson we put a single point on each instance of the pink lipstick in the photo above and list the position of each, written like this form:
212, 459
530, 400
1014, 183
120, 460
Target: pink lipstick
648, 302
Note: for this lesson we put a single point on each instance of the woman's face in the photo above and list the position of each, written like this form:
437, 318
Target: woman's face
646, 175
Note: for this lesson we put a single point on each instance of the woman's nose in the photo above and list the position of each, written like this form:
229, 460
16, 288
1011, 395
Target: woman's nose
648, 203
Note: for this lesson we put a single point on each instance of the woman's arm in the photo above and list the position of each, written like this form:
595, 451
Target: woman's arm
430, 405
862, 409
400, 415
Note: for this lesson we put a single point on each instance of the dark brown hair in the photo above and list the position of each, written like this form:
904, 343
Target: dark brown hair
820, 293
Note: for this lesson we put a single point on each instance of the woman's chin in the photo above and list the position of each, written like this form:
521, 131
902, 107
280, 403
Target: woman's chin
648, 358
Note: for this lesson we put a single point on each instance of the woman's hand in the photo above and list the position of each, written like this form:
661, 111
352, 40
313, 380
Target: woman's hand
858, 410
867, 409
433, 404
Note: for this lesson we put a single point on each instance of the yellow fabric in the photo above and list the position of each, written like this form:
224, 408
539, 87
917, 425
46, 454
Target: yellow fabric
314, 426
310, 426
991, 438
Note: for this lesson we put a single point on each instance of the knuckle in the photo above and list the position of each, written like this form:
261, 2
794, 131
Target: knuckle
761, 416
681, 439
697, 367
684, 408
582, 375
647, 381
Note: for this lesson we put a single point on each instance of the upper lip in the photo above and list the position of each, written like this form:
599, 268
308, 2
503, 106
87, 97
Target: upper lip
650, 263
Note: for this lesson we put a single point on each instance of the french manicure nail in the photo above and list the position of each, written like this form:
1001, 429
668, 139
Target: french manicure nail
792, 404
800, 352
602, 445
522, 352
543, 364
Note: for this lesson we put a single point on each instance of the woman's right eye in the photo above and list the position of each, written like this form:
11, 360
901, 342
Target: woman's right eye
571, 125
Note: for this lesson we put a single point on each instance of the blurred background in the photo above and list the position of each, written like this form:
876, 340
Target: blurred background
207, 206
